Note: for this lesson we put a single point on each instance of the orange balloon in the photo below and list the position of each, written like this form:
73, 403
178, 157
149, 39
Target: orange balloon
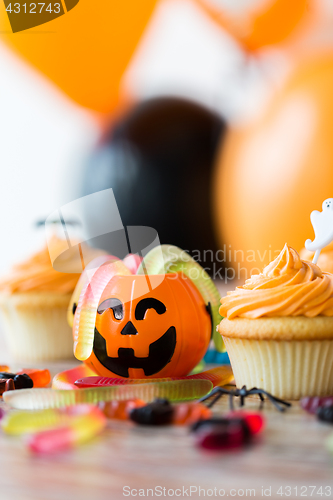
272, 174
86, 50
261, 23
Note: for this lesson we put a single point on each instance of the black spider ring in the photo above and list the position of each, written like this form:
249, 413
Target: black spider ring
243, 393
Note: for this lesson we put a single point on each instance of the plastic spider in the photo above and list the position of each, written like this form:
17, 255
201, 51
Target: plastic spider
243, 393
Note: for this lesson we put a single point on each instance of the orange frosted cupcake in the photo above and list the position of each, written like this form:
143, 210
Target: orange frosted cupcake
33, 305
278, 329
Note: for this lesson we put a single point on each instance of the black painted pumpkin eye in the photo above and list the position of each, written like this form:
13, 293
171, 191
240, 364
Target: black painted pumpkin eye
115, 305
146, 304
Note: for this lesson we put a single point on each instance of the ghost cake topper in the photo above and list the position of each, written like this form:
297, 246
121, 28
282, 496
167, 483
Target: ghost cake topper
322, 223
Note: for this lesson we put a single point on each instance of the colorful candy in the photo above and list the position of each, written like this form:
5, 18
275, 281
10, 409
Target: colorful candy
325, 413
40, 378
10, 381
22, 422
233, 431
221, 375
159, 412
90, 294
132, 261
120, 409
188, 413
79, 429
65, 380
311, 404
36, 399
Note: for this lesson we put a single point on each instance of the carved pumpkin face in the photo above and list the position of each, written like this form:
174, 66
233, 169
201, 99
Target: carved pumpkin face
149, 328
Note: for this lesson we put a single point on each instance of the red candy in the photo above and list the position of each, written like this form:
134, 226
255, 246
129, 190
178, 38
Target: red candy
233, 431
311, 404
223, 436
254, 421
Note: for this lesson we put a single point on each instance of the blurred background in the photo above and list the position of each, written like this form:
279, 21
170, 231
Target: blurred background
211, 120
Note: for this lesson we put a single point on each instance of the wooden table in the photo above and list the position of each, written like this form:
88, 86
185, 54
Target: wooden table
290, 453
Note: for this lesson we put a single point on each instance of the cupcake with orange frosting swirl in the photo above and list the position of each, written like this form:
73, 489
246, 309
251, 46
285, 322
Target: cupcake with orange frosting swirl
278, 328
33, 303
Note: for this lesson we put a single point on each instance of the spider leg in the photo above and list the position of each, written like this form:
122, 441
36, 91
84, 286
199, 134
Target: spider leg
217, 392
276, 401
214, 400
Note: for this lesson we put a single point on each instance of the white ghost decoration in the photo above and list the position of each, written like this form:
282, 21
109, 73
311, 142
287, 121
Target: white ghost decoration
322, 223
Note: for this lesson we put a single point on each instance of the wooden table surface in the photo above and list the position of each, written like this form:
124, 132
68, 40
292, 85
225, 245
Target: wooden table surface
290, 453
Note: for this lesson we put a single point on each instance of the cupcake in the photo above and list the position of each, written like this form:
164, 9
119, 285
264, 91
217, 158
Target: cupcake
33, 305
325, 261
278, 329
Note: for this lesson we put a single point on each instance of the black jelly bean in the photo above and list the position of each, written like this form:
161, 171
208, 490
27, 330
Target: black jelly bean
7, 375
325, 413
159, 412
23, 381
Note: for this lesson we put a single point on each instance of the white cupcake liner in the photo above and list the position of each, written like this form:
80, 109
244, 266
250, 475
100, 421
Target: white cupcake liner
36, 328
287, 369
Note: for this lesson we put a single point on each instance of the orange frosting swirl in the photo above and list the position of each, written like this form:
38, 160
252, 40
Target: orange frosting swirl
37, 274
288, 286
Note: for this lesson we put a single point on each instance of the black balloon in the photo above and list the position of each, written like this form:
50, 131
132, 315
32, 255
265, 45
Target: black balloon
159, 160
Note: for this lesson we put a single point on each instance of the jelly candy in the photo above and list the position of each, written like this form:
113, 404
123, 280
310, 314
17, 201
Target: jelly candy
255, 421
159, 412
325, 413
21, 422
311, 404
10, 385
120, 409
188, 413
23, 381
77, 430
218, 376
223, 434
24, 422
7, 375
6, 384
66, 379
233, 431
37, 399
40, 378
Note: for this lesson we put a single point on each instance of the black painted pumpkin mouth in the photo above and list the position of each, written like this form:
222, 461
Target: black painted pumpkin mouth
160, 354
